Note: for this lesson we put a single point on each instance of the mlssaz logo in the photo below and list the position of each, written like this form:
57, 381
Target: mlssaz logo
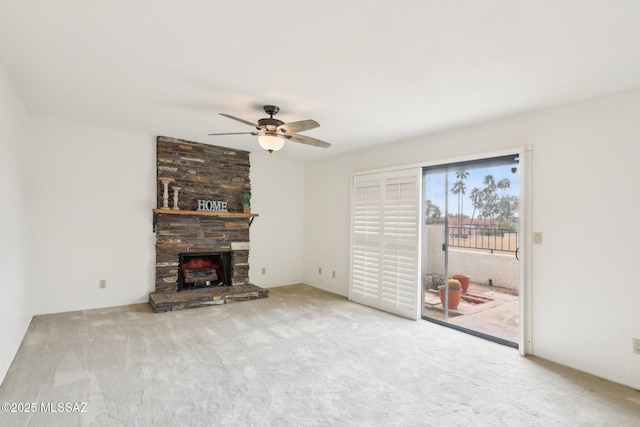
63, 407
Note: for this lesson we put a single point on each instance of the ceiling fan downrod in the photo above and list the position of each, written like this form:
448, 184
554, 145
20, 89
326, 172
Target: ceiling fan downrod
271, 110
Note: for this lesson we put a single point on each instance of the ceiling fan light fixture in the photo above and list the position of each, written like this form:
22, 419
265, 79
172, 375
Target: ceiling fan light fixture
270, 143
272, 133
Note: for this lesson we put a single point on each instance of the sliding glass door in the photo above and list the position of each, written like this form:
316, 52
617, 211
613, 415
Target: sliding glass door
470, 241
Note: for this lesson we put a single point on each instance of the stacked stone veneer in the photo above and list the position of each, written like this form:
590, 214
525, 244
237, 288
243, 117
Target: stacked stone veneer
203, 172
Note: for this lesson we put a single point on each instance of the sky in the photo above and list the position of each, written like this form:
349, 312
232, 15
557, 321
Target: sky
434, 187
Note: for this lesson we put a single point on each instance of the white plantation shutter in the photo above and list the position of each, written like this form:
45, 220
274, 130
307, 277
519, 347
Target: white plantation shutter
385, 241
367, 226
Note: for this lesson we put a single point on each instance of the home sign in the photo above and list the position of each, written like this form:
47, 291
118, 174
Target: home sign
212, 206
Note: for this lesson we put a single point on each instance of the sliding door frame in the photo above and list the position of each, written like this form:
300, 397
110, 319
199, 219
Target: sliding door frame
525, 154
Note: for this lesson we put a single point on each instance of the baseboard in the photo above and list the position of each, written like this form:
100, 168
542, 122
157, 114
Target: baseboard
325, 289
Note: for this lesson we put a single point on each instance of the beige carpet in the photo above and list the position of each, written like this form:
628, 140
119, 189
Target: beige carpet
302, 357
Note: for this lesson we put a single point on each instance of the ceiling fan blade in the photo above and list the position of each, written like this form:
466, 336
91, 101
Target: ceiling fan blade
241, 120
306, 140
301, 126
232, 133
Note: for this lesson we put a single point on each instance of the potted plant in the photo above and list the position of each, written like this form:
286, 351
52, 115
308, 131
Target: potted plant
434, 281
455, 294
464, 281
245, 198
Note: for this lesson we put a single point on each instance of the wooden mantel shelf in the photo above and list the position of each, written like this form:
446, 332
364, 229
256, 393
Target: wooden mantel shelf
210, 213
251, 216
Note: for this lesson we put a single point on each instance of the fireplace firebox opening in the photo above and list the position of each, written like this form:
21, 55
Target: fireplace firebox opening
204, 269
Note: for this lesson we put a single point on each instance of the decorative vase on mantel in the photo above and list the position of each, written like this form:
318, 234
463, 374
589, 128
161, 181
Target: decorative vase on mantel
245, 199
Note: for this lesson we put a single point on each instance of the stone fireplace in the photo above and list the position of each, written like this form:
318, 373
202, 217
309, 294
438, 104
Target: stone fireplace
214, 246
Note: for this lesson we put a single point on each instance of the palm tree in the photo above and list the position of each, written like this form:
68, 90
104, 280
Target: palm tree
506, 203
428, 208
432, 212
436, 213
490, 182
503, 184
461, 175
476, 200
458, 188
489, 198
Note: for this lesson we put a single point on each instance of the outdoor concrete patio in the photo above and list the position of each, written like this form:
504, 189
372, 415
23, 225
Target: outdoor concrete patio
498, 316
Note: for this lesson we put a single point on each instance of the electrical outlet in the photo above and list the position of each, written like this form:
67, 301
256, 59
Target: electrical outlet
636, 345
103, 283
319, 270
264, 270
537, 238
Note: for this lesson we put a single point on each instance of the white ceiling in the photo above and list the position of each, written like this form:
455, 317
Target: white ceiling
368, 71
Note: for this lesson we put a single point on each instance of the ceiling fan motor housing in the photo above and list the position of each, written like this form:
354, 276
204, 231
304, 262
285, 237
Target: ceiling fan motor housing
270, 124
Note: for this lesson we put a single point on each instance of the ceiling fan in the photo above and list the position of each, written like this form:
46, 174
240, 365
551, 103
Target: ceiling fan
272, 133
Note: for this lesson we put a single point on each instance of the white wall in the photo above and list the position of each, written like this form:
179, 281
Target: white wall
584, 161
92, 191
327, 234
277, 187
16, 311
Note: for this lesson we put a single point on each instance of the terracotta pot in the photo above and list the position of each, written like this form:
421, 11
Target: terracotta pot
464, 281
454, 297
246, 209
